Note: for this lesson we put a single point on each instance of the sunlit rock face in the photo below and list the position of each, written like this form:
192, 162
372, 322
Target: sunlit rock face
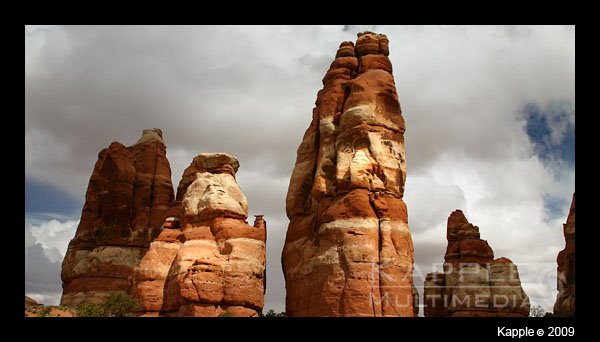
207, 260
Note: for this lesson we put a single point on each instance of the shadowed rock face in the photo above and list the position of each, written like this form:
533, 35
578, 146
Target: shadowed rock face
473, 282
127, 199
565, 301
207, 259
348, 249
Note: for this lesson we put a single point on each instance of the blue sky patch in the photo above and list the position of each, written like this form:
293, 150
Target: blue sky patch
43, 201
556, 207
555, 120
552, 132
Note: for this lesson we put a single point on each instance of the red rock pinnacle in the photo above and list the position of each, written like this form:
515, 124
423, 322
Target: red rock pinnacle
348, 249
127, 198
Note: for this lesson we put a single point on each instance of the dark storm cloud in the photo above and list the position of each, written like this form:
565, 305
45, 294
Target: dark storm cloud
40, 197
209, 89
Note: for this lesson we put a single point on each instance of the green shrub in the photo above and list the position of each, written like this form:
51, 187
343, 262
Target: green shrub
119, 304
44, 312
226, 314
272, 313
90, 310
536, 311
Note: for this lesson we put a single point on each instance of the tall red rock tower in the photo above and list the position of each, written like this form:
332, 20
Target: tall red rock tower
565, 301
127, 198
348, 249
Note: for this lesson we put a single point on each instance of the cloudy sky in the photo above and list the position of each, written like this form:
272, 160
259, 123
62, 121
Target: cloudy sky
490, 114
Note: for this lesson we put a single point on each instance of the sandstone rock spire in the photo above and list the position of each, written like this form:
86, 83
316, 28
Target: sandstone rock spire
348, 249
127, 198
207, 259
565, 301
473, 282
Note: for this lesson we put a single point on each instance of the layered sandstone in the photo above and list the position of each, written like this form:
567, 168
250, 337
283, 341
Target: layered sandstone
565, 301
348, 249
473, 283
127, 198
207, 259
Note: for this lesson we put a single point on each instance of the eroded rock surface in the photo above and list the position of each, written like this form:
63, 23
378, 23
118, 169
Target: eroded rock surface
348, 248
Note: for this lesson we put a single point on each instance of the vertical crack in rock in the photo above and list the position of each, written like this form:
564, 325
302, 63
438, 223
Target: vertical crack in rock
309, 183
153, 183
346, 268
350, 173
378, 264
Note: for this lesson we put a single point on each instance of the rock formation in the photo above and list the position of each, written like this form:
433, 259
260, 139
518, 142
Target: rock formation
127, 198
473, 282
30, 303
348, 249
207, 259
565, 301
